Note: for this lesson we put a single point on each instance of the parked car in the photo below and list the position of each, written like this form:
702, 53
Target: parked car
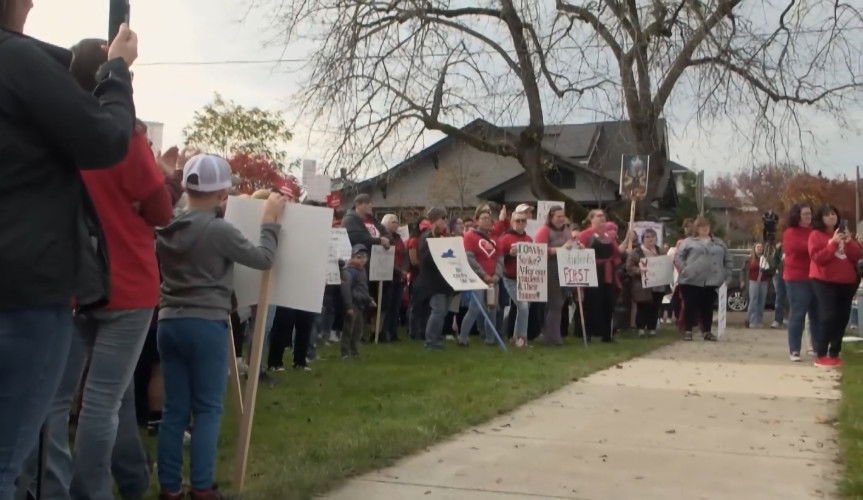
738, 289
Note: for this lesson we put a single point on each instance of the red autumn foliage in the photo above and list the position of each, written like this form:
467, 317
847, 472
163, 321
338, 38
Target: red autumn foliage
255, 172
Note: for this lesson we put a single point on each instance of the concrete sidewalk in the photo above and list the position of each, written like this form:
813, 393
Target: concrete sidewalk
733, 419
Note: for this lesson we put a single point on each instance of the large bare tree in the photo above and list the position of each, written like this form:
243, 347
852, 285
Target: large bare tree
384, 72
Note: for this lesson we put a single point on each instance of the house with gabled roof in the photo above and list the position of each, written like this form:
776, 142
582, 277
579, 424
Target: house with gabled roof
585, 165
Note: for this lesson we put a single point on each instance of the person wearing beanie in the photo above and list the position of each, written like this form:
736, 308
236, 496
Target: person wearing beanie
431, 287
197, 252
482, 255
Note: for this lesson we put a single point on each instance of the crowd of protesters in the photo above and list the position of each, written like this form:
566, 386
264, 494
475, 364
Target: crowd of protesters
76, 157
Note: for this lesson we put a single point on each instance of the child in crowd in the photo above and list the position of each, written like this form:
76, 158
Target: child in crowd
356, 298
197, 252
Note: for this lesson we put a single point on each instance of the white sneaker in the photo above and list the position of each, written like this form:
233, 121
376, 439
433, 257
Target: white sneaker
774, 325
641, 333
795, 357
242, 366
651, 333
334, 336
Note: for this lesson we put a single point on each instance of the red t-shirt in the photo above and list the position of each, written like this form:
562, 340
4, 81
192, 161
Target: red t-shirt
484, 250
755, 273
504, 245
131, 241
795, 248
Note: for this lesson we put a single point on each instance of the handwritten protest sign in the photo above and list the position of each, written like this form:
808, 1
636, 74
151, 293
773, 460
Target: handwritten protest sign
660, 272
577, 267
543, 207
340, 242
532, 272
451, 260
723, 310
296, 279
381, 263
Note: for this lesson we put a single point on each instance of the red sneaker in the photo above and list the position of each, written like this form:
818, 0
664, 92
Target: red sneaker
825, 362
837, 361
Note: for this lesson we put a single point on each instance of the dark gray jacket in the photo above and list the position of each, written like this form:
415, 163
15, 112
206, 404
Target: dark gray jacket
703, 263
196, 253
355, 287
51, 245
359, 233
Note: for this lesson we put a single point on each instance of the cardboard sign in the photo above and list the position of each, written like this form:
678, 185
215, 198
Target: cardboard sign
640, 226
451, 260
577, 267
340, 242
318, 188
533, 226
532, 272
310, 169
660, 272
381, 263
296, 279
634, 172
405, 233
544, 207
723, 310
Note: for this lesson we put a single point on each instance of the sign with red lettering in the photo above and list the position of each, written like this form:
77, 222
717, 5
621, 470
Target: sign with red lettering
577, 267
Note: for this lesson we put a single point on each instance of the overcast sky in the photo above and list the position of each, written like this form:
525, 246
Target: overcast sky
220, 30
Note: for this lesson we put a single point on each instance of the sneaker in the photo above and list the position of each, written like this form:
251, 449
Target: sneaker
774, 325
795, 357
520, 342
641, 333
824, 362
746, 324
710, 337
210, 494
242, 366
167, 495
687, 335
651, 333
345, 357
304, 368
810, 352
279, 368
837, 361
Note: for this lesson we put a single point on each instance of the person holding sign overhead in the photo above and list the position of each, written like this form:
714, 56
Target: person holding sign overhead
647, 300
556, 234
508, 247
704, 264
600, 300
482, 255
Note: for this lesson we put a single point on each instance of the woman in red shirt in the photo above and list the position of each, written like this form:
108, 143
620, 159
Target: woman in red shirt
507, 246
758, 278
833, 270
482, 255
795, 246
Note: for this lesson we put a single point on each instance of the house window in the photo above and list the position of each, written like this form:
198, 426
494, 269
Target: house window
562, 178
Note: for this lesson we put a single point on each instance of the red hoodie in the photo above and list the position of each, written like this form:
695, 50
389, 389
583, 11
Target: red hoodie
795, 248
484, 250
505, 244
826, 265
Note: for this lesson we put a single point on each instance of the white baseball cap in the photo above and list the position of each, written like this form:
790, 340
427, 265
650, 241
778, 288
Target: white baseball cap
207, 173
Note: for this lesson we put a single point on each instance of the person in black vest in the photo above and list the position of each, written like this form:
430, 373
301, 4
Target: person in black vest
431, 285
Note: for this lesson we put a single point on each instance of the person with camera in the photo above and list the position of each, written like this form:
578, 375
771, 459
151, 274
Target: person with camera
50, 129
833, 270
758, 275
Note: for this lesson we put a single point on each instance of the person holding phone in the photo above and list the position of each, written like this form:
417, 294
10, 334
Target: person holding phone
834, 253
50, 130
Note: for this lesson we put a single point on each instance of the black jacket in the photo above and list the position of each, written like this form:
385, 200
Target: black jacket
49, 129
430, 281
358, 233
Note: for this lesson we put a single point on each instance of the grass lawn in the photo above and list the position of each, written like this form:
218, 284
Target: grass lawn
316, 429
851, 420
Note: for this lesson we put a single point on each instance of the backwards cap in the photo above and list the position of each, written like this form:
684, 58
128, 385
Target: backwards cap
207, 173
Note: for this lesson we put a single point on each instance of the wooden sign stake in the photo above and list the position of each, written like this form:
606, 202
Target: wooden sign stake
234, 374
244, 440
378, 319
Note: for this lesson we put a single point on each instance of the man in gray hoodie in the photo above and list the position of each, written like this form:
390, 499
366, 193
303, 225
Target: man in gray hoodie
197, 252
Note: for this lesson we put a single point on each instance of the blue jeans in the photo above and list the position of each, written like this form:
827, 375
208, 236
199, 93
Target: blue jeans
439, 303
194, 356
802, 301
474, 313
34, 343
757, 300
781, 297
523, 308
